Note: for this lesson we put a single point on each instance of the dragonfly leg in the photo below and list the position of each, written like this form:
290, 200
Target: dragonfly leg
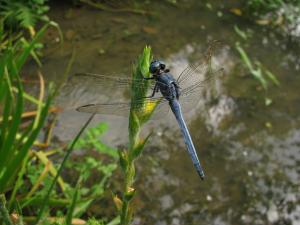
155, 89
148, 78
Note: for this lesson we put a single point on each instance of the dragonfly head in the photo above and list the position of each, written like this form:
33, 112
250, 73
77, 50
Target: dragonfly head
157, 67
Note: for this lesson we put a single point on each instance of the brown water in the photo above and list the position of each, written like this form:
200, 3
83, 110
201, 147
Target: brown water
250, 152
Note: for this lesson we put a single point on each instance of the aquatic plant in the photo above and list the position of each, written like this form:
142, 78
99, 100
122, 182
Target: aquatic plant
258, 71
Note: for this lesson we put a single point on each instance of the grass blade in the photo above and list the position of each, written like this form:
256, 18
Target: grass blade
272, 77
8, 150
18, 182
69, 151
73, 204
12, 167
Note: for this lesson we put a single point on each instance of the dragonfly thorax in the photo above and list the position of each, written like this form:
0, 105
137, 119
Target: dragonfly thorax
168, 86
165, 81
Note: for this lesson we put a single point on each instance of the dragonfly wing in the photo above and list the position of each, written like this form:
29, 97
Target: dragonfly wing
118, 109
161, 110
192, 95
123, 108
111, 81
199, 85
108, 81
95, 88
197, 71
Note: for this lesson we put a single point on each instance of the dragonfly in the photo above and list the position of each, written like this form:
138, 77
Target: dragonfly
167, 93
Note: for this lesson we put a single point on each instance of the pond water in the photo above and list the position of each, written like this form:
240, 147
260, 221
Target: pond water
250, 151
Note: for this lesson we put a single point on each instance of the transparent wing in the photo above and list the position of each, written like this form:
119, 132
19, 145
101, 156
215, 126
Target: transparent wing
196, 71
111, 81
188, 99
108, 81
192, 74
123, 108
191, 95
119, 108
197, 86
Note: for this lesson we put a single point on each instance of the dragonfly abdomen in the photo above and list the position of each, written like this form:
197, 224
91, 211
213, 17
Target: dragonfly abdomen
175, 106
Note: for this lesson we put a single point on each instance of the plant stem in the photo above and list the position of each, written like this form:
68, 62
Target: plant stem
124, 216
138, 116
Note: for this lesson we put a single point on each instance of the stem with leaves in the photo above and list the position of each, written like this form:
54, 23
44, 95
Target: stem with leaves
138, 117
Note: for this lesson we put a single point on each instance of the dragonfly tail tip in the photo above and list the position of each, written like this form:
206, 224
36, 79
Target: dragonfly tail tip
200, 171
201, 175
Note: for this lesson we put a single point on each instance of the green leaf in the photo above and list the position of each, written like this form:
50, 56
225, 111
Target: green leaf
136, 152
241, 33
115, 221
81, 207
7, 148
134, 129
26, 17
24, 54
259, 76
73, 204
123, 157
244, 56
91, 140
272, 77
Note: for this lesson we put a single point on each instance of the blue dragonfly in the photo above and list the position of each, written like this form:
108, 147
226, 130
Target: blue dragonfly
166, 90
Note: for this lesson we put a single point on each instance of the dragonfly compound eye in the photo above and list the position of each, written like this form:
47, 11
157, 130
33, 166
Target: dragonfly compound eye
154, 66
162, 65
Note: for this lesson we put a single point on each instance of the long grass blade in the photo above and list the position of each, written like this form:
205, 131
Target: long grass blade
12, 168
18, 182
40, 103
69, 151
73, 204
8, 149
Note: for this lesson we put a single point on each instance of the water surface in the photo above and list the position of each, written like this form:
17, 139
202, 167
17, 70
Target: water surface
250, 151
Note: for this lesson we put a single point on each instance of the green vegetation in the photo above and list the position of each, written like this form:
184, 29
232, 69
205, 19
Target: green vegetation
257, 70
264, 6
23, 14
29, 178
136, 145
15, 141
279, 13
